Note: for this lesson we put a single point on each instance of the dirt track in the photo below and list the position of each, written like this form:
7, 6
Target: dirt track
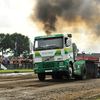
30, 88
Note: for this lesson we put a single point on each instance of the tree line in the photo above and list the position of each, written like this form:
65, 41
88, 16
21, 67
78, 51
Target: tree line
7, 44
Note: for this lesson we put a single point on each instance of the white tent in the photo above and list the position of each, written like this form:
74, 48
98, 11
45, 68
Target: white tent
3, 67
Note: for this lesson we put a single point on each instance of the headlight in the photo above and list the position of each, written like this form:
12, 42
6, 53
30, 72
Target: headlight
36, 65
61, 63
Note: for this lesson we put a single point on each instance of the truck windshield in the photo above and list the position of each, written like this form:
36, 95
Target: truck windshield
48, 43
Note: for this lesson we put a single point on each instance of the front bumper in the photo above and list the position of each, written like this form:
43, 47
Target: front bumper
49, 67
49, 70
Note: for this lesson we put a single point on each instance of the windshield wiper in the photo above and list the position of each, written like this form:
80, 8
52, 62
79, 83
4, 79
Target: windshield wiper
53, 46
40, 48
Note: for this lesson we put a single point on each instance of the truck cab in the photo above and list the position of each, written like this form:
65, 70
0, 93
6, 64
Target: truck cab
53, 54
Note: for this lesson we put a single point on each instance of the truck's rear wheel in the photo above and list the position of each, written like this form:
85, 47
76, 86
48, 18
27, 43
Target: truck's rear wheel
70, 72
98, 72
83, 72
41, 76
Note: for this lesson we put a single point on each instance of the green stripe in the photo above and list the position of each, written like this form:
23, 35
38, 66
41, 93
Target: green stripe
58, 53
68, 51
49, 36
37, 54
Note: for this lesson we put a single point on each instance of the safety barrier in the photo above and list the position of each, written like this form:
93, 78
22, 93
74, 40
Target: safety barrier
19, 66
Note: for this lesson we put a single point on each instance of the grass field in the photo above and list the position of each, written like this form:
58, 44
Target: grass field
12, 70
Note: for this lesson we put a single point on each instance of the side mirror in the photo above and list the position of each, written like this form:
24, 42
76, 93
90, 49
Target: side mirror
68, 42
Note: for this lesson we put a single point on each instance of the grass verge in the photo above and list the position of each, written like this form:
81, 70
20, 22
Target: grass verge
12, 70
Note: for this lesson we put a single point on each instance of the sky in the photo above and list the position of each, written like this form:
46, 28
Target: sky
14, 17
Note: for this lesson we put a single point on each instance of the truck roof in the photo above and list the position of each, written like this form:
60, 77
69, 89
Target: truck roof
49, 36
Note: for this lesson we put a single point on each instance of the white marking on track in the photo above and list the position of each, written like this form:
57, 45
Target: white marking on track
16, 74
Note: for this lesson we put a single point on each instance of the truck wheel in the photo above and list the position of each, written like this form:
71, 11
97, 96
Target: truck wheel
70, 72
41, 76
83, 72
98, 72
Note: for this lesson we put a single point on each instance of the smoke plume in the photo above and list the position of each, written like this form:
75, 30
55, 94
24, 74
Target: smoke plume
74, 13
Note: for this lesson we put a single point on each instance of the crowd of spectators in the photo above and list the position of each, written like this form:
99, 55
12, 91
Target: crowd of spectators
17, 63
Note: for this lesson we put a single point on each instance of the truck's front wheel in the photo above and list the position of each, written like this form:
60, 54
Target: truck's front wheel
70, 72
41, 76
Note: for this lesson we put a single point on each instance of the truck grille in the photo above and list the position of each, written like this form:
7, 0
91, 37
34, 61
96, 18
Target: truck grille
50, 64
48, 59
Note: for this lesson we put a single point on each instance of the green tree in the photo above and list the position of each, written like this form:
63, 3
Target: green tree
5, 42
22, 44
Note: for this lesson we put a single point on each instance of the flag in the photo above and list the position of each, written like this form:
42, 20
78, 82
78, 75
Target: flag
16, 44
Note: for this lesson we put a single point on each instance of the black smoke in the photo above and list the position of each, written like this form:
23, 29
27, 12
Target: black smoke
71, 11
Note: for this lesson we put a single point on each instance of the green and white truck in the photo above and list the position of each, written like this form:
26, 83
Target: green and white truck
56, 55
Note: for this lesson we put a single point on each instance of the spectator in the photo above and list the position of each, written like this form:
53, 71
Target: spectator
23, 63
31, 63
0, 60
3, 62
20, 64
6, 62
16, 63
11, 64
27, 63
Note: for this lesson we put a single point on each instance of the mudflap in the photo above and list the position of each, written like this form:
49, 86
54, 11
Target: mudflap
91, 69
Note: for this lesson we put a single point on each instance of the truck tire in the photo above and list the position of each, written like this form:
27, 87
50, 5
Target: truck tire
83, 72
98, 73
41, 76
70, 72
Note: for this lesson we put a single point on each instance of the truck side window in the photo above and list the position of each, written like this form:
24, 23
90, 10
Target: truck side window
66, 42
36, 44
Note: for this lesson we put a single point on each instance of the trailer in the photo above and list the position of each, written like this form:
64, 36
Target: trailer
56, 55
96, 62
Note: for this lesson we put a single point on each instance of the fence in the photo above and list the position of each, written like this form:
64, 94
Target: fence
17, 66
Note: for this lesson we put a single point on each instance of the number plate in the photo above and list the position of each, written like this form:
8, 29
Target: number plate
48, 70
